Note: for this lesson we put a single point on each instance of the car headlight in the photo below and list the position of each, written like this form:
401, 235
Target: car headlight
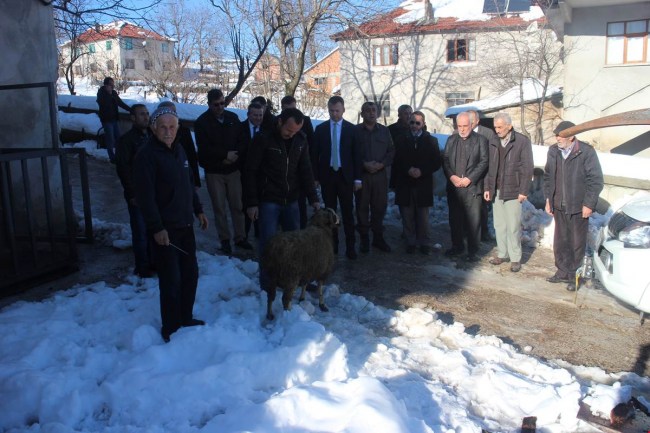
636, 235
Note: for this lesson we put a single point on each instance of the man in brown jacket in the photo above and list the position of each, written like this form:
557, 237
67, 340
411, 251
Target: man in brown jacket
507, 185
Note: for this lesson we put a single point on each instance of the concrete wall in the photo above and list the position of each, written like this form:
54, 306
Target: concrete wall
28, 56
593, 89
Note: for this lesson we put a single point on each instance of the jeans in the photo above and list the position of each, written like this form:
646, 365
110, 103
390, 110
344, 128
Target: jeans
111, 137
270, 215
141, 242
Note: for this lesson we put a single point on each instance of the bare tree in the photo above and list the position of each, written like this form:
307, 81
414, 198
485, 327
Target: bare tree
251, 25
520, 57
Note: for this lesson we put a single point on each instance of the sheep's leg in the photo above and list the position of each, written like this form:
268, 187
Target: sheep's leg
302, 293
270, 297
287, 295
321, 299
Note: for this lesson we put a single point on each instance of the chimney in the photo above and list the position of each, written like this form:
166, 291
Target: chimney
429, 12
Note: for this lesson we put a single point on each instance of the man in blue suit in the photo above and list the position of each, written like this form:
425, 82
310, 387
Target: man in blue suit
336, 162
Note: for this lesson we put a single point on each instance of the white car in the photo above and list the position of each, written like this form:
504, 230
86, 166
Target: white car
622, 256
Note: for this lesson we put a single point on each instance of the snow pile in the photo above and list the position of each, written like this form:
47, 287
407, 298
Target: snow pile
463, 10
91, 359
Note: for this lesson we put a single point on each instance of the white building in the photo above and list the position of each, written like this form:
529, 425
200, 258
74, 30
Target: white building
120, 49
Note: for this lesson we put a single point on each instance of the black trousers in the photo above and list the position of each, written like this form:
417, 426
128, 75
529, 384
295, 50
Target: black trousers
569, 242
334, 190
178, 275
464, 219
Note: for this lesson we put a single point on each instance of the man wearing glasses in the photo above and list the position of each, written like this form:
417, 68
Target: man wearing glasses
217, 134
417, 157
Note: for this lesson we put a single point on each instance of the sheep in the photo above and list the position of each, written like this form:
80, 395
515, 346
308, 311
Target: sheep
295, 258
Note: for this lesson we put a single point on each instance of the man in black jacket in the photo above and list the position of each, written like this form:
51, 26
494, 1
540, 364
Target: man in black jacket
308, 129
507, 184
336, 162
217, 136
167, 198
277, 166
184, 138
129, 144
573, 181
492, 139
417, 157
108, 101
465, 163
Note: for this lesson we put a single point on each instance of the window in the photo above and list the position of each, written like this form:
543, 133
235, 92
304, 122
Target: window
165, 48
457, 98
384, 55
91, 48
461, 50
147, 65
128, 43
93, 67
110, 65
129, 64
627, 42
76, 52
167, 66
77, 70
320, 81
109, 45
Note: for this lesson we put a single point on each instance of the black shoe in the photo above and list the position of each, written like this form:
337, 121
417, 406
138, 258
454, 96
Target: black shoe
571, 287
381, 245
244, 244
424, 249
515, 267
194, 322
410, 249
557, 279
364, 247
351, 254
144, 273
472, 258
453, 252
166, 335
225, 247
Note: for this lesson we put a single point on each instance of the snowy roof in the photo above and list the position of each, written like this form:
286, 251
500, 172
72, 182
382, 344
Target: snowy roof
449, 16
533, 90
117, 29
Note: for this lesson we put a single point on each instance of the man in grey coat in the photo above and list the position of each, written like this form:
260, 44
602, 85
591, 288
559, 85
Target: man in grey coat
507, 184
573, 181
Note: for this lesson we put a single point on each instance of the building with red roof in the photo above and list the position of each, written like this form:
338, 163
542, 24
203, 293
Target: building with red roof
433, 54
120, 49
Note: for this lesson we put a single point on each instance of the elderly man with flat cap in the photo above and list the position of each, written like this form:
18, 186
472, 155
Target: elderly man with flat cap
573, 181
165, 193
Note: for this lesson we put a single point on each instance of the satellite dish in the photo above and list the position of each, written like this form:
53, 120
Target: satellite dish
144, 43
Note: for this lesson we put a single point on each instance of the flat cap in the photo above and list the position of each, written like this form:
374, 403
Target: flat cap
565, 124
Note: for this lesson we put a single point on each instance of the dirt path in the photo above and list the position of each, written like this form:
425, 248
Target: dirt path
522, 309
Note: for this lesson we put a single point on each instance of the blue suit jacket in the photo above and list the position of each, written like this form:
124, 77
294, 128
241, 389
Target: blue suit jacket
321, 153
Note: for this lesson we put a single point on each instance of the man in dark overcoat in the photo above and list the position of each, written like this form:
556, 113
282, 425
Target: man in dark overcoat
417, 157
465, 163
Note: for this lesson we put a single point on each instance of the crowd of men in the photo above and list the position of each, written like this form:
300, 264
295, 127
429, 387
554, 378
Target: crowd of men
266, 170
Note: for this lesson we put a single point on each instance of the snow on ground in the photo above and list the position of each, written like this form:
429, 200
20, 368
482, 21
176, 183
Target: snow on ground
91, 359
